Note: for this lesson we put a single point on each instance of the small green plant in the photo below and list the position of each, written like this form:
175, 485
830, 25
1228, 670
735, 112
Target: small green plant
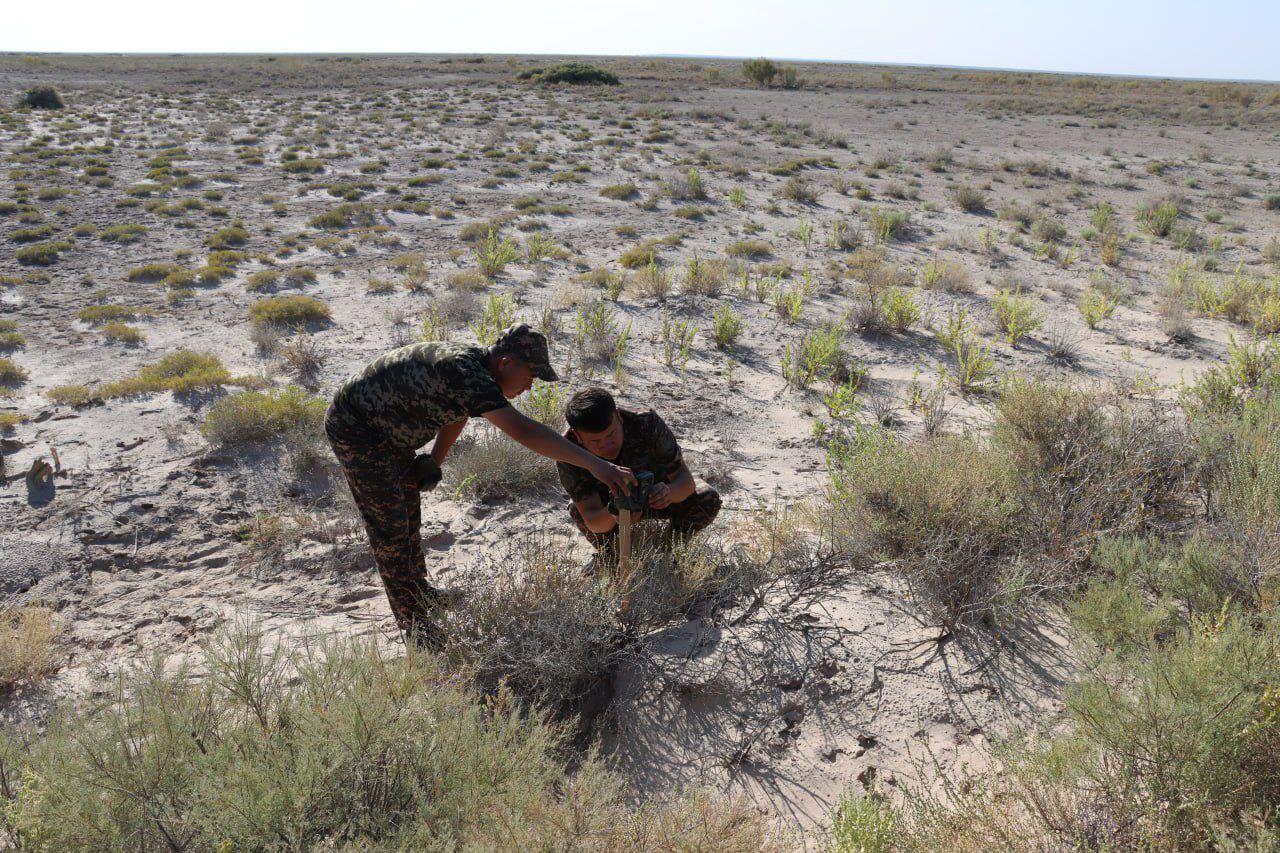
889, 225
1095, 305
11, 373
1158, 219
969, 199
1015, 315
493, 253
760, 71
899, 309
863, 825
677, 339
42, 254
498, 314
727, 325
789, 303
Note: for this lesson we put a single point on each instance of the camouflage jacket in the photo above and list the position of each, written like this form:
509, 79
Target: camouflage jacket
404, 396
647, 445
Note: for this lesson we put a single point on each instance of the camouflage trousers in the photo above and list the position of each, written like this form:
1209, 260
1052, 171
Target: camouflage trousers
391, 506
686, 518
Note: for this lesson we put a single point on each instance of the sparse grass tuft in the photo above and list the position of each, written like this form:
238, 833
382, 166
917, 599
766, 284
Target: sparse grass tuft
250, 417
28, 646
289, 310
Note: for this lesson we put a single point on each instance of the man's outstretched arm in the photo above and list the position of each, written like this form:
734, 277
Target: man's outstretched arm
545, 441
445, 438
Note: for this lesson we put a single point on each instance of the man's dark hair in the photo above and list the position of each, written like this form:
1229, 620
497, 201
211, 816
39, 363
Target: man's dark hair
590, 410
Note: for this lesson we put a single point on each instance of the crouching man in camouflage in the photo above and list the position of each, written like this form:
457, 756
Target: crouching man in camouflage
404, 399
640, 441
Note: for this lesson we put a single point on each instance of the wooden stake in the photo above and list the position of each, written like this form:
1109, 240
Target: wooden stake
624, 543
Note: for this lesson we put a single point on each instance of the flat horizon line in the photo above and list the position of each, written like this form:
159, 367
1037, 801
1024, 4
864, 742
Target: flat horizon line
692, 56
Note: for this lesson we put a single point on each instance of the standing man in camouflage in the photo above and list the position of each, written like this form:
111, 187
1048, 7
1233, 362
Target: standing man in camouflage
402, 400
640, 441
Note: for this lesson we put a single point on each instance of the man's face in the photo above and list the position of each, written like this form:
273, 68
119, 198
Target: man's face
514, 377
606, 444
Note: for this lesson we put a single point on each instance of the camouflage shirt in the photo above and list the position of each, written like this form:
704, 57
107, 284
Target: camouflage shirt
404, 396
647, 445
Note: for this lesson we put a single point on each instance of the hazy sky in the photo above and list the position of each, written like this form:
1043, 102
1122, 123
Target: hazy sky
1185, 38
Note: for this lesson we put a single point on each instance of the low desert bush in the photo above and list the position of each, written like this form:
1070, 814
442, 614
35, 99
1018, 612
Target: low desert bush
249, 417
980, 522
42, 98
28, 647
619, 192
42, 254
969, 199
889, 225
290, 310
11, 373
573, 73
486, 465
341, 745
726, 326
181, 372
1015, 315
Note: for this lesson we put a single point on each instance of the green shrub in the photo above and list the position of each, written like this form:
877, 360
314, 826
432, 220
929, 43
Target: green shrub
98, 314
29, 651
760, 71
889, 225
152, 272
42, 98
344, 216
289, 310
1158, 219
122, 333
619, 192
124, 233
31, 235
726, 326
225, 238
42, 254
341, 746
493, 253
574, 73
969, 199
1015, 315
11, 373
750, 249
249, 417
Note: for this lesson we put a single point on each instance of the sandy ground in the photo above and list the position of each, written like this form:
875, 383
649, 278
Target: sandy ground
800, 700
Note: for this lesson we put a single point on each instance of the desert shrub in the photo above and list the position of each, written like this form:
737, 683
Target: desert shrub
703, 277
534, 620
10, 338
950, 276
42, 98
42, 254
797, 189
889, 225
225, 238
262, 281
863, 825
151, 272
639, 256
574, 73
619, 192
123, 333
486, 465
289, 310
129, 232
181, 372
969, 199
11, 373
1046, 229
898, 309
1158, 218
344, 745
687, 187
28, 647
1171, 744
760, 71
344, 216
31, 235
1015, 315
1096, 304
979, 522
249, 417
750, 249
726, 326
98, 314
493, 253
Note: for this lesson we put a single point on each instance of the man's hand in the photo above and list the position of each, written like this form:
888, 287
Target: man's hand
660, 496
425, 472
619, 480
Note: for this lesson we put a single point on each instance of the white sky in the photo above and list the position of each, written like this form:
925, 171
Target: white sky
1235, 39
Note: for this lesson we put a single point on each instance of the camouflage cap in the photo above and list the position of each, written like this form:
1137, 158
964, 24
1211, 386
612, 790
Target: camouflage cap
520, 341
